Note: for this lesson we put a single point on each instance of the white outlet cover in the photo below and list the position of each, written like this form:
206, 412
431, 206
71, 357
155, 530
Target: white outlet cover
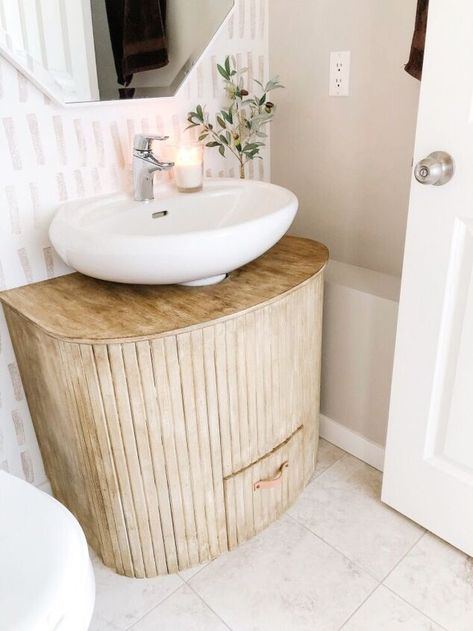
340, 73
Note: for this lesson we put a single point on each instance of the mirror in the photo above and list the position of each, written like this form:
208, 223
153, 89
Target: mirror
102, 50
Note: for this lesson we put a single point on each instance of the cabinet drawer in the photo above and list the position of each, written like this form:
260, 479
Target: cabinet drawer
260, 493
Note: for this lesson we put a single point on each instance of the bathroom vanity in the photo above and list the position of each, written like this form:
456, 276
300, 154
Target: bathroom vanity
175, 422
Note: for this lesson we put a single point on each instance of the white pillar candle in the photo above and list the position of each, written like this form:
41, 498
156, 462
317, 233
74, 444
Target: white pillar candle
189, 167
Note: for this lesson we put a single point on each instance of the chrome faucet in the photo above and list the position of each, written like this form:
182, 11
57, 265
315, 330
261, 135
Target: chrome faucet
144, 165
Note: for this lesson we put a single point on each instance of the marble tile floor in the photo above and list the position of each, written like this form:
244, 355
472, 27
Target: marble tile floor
338, 560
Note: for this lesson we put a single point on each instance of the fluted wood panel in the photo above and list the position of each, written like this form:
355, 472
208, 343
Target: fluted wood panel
155, 444
260, 378
250, 510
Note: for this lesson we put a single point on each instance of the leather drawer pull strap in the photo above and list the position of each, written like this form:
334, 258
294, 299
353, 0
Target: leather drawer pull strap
272, 482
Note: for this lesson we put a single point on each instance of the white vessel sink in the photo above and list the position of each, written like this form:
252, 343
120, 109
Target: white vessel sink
189, 238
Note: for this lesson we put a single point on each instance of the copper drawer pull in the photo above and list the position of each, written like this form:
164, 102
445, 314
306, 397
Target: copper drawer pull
272, 482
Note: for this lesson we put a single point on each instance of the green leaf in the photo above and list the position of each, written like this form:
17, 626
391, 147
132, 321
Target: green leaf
221, 150
221, 122
212, 143
227, 65
262, 100
251, 145
273, 84
199, 112
223, 72
223, 139
203, 136
251, 154
227, 116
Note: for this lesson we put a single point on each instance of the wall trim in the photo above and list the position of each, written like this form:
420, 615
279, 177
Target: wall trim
352, 442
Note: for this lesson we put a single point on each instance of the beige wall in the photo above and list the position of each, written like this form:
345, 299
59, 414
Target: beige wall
348, 158
360, 314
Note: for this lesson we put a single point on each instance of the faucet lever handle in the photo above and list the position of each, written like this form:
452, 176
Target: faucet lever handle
143, 142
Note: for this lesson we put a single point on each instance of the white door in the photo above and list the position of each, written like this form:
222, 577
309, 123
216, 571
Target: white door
428, 472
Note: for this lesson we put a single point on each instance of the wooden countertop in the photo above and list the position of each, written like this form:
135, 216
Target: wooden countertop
81, 309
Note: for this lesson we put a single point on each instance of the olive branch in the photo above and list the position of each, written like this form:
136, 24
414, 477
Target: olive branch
239, 127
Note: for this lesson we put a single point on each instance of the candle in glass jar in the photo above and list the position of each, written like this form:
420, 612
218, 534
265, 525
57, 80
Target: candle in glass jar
189, 168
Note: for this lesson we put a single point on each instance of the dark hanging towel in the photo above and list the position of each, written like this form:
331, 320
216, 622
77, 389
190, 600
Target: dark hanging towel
416, 58
138, 34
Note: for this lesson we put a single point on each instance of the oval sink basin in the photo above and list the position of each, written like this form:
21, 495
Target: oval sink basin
188, 238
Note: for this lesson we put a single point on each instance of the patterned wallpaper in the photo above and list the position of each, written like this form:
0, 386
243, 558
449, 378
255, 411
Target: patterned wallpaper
50, 154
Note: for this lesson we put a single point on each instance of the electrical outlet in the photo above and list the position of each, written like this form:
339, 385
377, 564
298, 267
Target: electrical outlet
339, 73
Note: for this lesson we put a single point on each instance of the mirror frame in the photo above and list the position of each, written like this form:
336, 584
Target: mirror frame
42, 79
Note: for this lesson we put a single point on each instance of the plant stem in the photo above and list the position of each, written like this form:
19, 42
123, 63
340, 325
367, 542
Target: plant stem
242, 170
217, 138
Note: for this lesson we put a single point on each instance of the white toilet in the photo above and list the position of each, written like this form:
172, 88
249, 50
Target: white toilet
46, 577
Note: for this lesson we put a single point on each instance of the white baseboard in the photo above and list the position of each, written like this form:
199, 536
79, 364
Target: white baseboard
352, 442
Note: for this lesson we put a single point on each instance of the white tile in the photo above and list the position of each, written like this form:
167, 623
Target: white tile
183, 611
186, 575
343, 508
384, 610
285, 578
327, 455
122, 601
437, 579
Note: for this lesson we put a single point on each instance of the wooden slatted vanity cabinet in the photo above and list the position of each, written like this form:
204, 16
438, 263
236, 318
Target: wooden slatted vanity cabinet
175, 422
